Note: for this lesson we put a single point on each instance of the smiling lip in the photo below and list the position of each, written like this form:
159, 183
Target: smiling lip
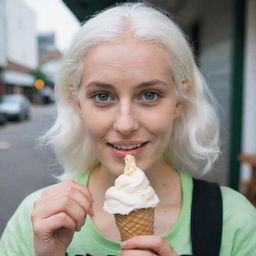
121, 149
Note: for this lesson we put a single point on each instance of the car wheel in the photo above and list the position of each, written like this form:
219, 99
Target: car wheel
20, 117
27, 116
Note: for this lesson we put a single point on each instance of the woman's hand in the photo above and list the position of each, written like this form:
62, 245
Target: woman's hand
157, 244
59, 212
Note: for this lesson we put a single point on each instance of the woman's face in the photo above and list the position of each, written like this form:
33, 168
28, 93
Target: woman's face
128, 103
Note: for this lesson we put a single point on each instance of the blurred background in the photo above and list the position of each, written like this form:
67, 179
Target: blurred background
34, 34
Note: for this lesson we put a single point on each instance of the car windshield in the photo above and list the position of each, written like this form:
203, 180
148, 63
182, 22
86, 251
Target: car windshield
11, 99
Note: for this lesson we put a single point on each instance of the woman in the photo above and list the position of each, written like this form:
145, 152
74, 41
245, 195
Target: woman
128, 85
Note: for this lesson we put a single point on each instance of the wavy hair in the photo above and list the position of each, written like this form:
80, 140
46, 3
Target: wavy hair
195, 137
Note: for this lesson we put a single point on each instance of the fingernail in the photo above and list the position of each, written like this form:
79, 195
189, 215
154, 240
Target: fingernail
123, 244
91, 212
78, 228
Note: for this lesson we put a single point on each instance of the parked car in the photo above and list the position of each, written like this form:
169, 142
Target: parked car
15, 106
47, 95
3, 118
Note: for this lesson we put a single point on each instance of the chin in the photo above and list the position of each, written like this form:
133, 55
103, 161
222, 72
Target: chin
115, 169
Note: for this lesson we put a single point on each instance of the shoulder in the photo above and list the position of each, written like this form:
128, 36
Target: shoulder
24, 210
17, 238
239, 223
236, 206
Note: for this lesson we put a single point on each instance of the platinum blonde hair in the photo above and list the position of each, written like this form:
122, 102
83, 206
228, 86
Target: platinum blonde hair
194, 143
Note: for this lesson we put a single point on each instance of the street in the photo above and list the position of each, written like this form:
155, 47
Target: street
25, 165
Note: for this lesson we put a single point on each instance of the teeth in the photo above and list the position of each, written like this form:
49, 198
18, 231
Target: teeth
127, 146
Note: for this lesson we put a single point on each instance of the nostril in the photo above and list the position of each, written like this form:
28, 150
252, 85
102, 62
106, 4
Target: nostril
126, 124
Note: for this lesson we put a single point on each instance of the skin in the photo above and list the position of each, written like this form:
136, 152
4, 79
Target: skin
127, 96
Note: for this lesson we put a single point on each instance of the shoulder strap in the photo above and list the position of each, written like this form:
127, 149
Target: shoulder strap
206, 218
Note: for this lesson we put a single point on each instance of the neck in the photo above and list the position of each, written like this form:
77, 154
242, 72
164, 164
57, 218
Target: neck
166, 182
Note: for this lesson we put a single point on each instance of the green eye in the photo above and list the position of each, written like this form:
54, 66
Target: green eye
150, 96
102, 96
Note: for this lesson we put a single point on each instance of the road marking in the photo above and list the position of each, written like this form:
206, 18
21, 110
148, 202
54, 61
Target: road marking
4, 145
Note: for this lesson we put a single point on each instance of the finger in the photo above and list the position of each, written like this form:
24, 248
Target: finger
53, 223
67, 187
82, 201
137, 253
72, 194
65, 205
83, 189
158, 244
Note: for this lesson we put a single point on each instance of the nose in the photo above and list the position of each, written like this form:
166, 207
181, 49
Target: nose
126, 122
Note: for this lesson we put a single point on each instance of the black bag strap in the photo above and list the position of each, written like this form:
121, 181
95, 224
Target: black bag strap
206, 218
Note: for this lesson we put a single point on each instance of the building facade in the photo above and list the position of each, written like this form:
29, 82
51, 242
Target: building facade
18, 47
49, 56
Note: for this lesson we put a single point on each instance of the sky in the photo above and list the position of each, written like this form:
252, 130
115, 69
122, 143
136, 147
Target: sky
53, 15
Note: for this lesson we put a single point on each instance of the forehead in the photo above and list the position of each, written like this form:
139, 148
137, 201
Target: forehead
128, 47
127, 58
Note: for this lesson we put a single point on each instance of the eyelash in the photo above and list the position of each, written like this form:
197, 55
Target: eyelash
99, 93
107, 102
156, 94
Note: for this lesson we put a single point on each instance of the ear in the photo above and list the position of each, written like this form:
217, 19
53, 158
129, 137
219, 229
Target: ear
74, 99
178, 109
186, 88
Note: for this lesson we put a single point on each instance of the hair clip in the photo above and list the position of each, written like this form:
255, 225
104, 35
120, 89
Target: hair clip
71, 92
186, 84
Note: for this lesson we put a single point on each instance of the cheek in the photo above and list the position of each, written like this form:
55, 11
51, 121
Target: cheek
94, 133
159, 122
96, 123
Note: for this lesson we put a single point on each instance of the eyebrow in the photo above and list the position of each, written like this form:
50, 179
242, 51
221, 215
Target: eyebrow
110, 86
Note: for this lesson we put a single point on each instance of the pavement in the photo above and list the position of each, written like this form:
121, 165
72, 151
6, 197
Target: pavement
25, 165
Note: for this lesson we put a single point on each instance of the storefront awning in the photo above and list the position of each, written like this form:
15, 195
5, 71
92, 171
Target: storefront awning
18, 78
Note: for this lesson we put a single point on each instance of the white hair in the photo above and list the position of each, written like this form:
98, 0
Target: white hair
194, 143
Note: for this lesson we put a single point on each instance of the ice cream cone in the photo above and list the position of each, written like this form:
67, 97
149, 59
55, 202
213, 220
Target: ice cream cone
133, 201
137, 222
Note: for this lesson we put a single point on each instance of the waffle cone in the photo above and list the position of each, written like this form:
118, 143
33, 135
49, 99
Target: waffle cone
136, 223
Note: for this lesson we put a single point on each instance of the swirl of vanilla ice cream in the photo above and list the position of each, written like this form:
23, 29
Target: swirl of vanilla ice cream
131, 191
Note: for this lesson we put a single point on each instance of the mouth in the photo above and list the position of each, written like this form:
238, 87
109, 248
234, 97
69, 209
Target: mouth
122, 149
127, 147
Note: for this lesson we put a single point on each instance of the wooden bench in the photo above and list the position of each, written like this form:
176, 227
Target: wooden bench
250, 185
